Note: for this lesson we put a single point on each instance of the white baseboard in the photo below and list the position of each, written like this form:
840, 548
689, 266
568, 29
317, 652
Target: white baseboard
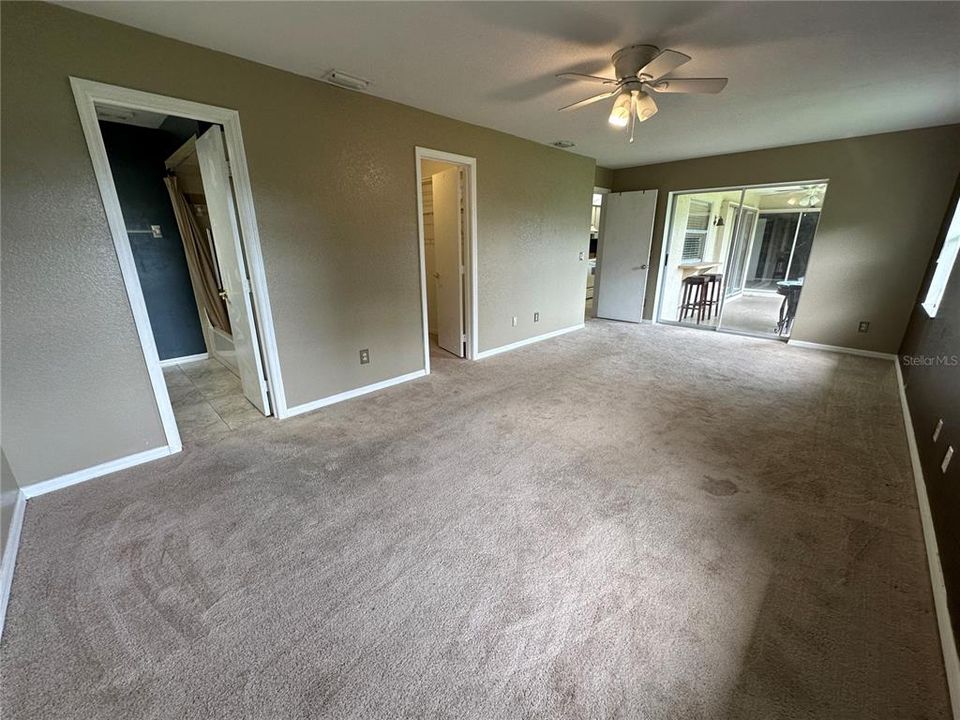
10, 555
340, 397
184, 359
840, 349
42, 488
528, 341
948, 643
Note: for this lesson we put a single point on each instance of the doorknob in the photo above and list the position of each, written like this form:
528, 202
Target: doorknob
643, 267
436, 275
223, 295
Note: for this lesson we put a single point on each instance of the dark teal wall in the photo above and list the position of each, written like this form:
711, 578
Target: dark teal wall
136, 159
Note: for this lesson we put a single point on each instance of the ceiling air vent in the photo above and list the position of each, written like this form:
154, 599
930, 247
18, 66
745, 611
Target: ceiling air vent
342, 79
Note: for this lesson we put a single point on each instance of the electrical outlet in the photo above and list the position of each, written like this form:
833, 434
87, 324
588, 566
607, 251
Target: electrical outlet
536, 317
365, 356
514, 321
581, 255
937, 429
864, 326
946, 460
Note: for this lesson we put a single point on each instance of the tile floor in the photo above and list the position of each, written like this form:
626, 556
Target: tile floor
207, 400
753, 313
756, 314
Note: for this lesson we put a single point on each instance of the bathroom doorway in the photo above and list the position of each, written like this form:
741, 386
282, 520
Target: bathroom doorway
142, 198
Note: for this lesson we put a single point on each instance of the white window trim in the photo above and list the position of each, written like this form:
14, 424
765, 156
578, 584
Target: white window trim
705, 233
944, 266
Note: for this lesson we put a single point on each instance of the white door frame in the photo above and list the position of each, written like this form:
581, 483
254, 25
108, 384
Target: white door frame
668, 221
87, 94
471, 321
735, 207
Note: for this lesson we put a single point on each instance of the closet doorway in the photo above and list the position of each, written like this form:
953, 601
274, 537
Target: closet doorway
447, 213
177, 197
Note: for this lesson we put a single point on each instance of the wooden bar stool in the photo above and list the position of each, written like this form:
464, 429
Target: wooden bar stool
712, 290
693, 296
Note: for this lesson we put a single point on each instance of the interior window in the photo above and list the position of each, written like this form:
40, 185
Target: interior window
945, 262
695, 237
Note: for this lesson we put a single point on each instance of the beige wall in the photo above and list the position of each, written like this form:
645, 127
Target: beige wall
603, 177
333, 179
9, 492
886, 198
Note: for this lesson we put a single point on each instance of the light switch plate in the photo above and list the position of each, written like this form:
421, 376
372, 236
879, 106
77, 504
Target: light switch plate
937, 429
155, 229
946, 459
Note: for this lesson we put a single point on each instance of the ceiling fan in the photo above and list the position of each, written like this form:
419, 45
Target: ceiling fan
806, 196
641, 69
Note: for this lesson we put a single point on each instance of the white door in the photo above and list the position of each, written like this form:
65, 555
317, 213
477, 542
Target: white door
233, 273
448, 246
623, 254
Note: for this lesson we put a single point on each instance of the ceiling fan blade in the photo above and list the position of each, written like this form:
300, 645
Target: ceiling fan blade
589, 100
700, 86
587, 78
665, 62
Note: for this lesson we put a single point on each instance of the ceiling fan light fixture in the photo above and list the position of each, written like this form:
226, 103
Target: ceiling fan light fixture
646, 107
620, 114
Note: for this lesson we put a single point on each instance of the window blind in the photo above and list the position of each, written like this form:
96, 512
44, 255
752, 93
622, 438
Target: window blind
695, 236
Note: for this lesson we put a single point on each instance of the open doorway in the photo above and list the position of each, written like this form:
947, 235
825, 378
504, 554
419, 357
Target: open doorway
188, 253
735, 259
179, 214
596, 213
446, 202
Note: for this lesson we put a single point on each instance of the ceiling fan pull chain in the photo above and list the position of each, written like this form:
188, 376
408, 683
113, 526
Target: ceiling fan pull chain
633, 114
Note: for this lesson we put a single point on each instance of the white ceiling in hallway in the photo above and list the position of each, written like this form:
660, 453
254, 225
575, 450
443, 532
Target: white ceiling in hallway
799, 71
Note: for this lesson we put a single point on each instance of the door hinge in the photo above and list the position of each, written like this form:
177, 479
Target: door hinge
463, 338
462, 270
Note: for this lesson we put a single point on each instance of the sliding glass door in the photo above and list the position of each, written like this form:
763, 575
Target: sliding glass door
736, 259
739, 249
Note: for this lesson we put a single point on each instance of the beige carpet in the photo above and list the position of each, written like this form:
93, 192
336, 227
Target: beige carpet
627, 521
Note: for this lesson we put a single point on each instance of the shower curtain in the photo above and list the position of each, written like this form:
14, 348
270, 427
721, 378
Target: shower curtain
200, 258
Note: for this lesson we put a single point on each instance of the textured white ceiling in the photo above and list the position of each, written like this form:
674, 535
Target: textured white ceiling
799, 71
